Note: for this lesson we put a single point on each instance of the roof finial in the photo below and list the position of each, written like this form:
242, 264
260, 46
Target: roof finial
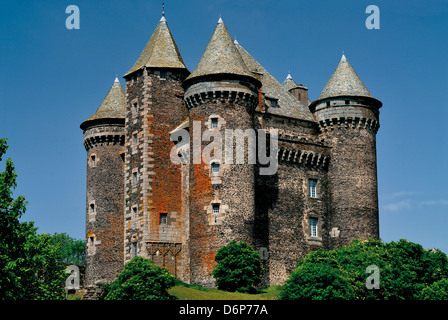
343, 56
289, 75
220, 20
235, 41
116, 78
163, 12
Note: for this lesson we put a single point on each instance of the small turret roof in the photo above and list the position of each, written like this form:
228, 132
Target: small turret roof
112, 107
221, 56
161, 50
344, 82
289, 83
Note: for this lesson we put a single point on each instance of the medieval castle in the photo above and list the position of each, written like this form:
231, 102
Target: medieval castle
139, 202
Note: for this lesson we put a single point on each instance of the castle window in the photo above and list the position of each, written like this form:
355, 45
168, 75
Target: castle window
134, 249
328, 103
134, 177
215, 208
135, 106
134, 139
162, 74
313, 227
215, 167
134, 211
312, 183
347, 101
274, 104
163, 218
93, 160
214, 122
92, 208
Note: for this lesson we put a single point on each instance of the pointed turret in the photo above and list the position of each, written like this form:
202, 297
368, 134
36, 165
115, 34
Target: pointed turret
289, 82
104, 137
160, 52
112, 107
345, 83
221, 57
348, 118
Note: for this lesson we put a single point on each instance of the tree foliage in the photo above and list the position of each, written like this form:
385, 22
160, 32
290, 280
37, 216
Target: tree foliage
70, 250
140, 280
238, 267
28, 267
407, 272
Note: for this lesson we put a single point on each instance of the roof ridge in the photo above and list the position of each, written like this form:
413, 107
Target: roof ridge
289, 106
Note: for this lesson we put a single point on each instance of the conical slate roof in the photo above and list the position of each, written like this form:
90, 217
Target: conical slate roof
161, 50
288, 105
344, 82
289, 83
112, 107
221, 56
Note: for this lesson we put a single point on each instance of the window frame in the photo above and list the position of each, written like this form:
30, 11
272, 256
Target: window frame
312, 189
314, 226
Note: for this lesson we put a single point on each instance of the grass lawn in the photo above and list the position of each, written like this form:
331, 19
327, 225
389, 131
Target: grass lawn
194, 292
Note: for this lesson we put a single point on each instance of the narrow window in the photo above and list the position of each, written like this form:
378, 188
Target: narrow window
163, 218
135, 106
215, 167
92, 208
214, 122
313, 227
312, 188
93, 160
328, 103
134, 139
215, 208
134, 176
134, 211
134, 249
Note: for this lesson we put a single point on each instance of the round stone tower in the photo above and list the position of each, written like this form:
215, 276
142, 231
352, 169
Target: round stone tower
104, 141
221, 95
348, 117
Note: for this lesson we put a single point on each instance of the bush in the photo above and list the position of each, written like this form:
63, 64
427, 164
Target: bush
238, 267
140, 280
407, 272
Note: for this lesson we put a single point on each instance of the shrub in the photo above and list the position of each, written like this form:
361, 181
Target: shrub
140, 280
238, 267
407, 272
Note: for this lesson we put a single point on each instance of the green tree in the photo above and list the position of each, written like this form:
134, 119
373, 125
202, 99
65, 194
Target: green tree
28, 267
70, 250
238, 267
140, 280
407, 272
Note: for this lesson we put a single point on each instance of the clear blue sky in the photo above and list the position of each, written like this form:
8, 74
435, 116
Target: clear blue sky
52, 79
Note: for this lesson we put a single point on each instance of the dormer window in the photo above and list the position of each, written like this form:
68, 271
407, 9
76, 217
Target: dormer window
274, 103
